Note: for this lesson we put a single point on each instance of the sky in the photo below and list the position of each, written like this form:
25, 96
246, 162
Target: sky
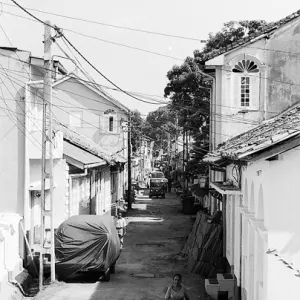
131, 69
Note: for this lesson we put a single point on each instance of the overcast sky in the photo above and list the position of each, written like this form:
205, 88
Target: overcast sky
134, 70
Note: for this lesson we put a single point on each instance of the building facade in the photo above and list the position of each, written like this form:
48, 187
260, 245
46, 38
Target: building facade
256, 80
85, 161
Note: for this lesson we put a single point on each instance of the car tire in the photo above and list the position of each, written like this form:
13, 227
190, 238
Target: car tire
113, 269
106, 276
163, 196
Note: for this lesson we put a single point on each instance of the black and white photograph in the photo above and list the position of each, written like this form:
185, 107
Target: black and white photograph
149, 150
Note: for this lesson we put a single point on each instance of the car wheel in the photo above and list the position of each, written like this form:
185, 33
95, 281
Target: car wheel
106, 276
113, 269
163, 196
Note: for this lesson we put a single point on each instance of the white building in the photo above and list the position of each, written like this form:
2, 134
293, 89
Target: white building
254, 159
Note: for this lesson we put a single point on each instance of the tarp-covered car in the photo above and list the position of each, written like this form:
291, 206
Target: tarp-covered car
86, 243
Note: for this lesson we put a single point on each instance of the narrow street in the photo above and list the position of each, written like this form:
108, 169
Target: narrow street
156, 232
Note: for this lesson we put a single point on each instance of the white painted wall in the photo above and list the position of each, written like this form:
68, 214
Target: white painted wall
266, 218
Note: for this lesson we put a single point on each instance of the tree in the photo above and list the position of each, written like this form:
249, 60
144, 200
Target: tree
159, 126
188, 90
231, 32
136, 129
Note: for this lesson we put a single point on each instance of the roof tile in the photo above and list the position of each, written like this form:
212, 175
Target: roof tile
83, 142
270, 27
262, 136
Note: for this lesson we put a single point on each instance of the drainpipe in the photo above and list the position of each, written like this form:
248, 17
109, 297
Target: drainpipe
71, 177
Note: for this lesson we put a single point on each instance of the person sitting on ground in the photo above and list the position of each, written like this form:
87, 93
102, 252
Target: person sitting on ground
177, 291
121, 228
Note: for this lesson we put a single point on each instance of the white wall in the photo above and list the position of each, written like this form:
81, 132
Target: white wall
270, 221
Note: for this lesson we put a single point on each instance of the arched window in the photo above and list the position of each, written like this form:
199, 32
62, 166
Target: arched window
245, 66
246, 84
109, 122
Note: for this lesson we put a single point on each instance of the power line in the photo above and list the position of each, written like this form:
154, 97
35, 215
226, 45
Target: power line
30, 14
206, 110
100, 72
84, 58
89, 81
83, 121
90, 64
64, 37
112, 25
228, 117
105, 41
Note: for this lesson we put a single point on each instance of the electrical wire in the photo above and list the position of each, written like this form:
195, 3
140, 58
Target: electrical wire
231, 118
88, 81
104, 40
112, 25
100, 73
81, 120
64, 37
180, 106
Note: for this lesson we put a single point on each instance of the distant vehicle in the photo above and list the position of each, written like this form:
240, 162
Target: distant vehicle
87, 243
157, 174
157, 187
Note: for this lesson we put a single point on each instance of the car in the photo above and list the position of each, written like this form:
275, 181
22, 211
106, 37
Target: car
87, 244
157, 187
157, 174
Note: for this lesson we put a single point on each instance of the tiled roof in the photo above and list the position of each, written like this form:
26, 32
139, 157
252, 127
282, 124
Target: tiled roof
267, 29
83, 142
267, 134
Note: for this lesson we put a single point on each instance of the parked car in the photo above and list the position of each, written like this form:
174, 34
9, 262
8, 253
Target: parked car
157, 174
86, 243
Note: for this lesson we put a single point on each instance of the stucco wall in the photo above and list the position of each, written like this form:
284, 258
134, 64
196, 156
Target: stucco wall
59, 192
270, 195
283, 67
72, 96
227, 120
12, 131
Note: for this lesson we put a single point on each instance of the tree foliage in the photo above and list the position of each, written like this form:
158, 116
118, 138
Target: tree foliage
189, 90
136, 129
160, 125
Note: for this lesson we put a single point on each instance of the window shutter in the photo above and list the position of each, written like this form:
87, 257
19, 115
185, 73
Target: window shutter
236, 90
254, 90
115, 123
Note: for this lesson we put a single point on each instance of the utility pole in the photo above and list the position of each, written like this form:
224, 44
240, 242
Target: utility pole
169, 152
176, 149
47, 208
129, 163
187, 154
183, 157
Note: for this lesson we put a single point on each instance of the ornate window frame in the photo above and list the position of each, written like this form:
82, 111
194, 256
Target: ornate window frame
245, 74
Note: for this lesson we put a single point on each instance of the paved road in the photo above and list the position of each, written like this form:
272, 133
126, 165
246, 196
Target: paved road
156, 233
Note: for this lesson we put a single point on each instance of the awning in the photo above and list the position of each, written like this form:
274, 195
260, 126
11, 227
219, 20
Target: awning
80, 158
120, 159
209, 158
225, 189
36, 185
